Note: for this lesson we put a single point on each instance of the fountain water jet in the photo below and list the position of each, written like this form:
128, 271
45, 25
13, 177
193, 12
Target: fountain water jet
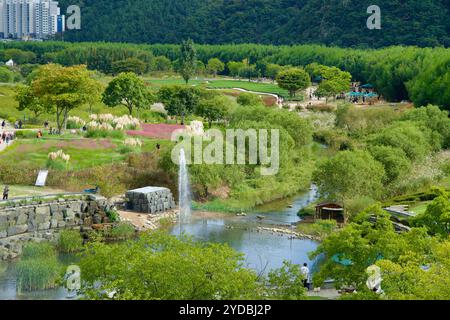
184, 191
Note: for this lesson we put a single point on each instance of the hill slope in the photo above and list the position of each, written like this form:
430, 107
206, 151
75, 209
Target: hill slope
331, 22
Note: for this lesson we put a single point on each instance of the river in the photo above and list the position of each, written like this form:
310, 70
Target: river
263, 251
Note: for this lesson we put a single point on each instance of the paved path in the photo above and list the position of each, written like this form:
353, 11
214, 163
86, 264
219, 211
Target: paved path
8, 128
330, 294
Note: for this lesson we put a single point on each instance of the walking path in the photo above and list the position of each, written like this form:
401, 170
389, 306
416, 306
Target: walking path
8, 128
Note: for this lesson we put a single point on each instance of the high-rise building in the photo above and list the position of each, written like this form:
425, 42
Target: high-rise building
23, 19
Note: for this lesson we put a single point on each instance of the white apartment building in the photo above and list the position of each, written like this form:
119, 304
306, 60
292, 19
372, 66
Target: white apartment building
23, 19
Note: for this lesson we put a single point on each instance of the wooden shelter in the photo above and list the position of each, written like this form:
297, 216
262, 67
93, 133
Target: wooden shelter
330, 210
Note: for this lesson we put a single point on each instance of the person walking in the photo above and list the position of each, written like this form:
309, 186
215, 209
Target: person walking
3, 124
6, 193
20, 124
306, 278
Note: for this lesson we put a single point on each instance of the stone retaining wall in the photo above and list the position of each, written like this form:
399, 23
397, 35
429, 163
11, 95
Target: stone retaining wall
40, 219
150, 200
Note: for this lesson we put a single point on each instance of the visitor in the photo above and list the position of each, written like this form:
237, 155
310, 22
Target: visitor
39, 134
5, 193
16, 125
3, 124
158, 146
20, 124
305, 272
46, 124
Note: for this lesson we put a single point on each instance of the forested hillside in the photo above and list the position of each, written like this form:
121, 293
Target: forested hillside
331, 22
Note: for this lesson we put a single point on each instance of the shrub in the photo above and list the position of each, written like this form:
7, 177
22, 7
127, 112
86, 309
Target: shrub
112, 215
95, 134
320, 228
122, 231
249, 99
25, 134
70, 241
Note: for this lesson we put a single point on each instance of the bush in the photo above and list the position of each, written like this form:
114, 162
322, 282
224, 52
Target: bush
320, 228
122, 231
25, 134
56, 164
126, 149
70, 241
6, 75
112, 215
249, 99
114, 134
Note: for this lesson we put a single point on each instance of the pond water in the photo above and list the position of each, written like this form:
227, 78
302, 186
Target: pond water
263, 251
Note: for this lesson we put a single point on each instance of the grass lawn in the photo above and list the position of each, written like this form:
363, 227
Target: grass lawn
420, 207
84, 153
223, 84
30, 191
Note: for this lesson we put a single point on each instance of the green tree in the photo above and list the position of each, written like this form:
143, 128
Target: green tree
234, 68
406, 135
214, 109
27, 100
160, 266
437, 216
6, 75
215, 66
129, 90
286, 283
161, 63
64, 88
179, 101
349, 174
394, 160
293, 80
188, 61
129, 65
19, 56
369, 239
272, 70
334, 81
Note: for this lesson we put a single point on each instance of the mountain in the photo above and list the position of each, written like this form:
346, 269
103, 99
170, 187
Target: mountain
330, 22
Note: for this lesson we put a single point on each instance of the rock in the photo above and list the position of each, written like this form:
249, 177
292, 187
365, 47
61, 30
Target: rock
43, 226
97, 219
13, 230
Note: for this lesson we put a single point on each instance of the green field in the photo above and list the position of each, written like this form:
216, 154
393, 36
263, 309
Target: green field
84, 153
223, 84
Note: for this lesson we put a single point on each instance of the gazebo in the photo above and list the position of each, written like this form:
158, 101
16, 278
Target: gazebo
329, 211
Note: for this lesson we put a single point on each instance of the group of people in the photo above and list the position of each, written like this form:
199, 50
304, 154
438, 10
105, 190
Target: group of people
6, 137
18, 124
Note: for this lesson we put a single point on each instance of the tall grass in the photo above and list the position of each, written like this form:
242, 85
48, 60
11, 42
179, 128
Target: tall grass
70, 241
38, 268
38, 274
35, 250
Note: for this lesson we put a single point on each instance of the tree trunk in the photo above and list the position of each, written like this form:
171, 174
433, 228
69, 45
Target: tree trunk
66, 111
